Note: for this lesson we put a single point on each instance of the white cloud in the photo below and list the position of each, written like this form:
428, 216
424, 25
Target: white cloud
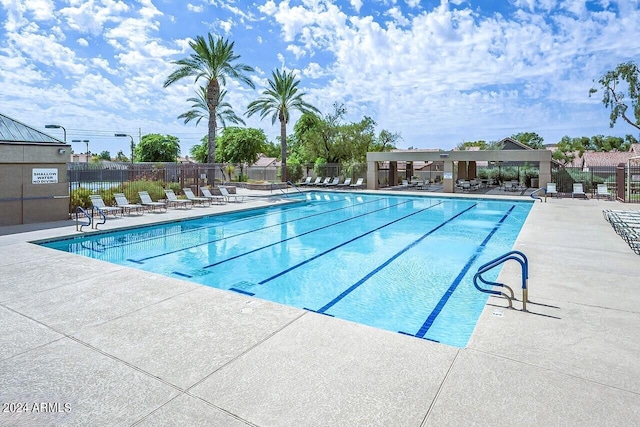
195, 9
297, 51
82, 42
356, 4
313, 70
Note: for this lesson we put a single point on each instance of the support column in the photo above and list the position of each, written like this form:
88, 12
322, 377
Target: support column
448, 181
393, 173
545, 174
462, 170
473, 174
372, 175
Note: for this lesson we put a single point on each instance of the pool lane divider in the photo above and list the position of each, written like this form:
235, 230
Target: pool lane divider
443, 300
142, 260
372, 273
305, 233
344, 243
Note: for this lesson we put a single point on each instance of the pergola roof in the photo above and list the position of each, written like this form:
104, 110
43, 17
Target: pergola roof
14, 131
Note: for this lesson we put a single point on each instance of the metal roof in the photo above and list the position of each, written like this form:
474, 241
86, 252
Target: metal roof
14, 131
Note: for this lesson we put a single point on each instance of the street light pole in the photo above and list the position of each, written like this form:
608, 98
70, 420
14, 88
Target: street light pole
86, 141
58, 127
120, 135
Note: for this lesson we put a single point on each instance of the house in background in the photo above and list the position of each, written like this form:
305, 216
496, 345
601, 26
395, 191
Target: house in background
33, 173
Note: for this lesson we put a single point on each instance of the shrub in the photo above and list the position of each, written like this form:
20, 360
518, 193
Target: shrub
80, 197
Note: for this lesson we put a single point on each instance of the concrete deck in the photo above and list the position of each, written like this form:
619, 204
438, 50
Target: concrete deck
117, 346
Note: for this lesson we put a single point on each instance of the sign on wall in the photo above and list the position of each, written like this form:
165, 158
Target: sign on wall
45, 176
448, 175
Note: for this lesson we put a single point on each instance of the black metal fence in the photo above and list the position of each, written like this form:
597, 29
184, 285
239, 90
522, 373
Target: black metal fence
626, 189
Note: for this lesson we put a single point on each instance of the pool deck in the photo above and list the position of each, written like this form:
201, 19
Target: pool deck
92, 343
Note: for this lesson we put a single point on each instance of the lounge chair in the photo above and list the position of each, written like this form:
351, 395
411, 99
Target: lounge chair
145, 200
195, 199
305, 182
323, 183
228, 196
346, 183
359, 183
551, 189
578, 190
317, 181
213, 197
172, 200
128, 208
333, 183
97, 202
603, 191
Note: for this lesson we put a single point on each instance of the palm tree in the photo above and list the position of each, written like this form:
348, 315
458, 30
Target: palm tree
200, 110
278, 99
212, 60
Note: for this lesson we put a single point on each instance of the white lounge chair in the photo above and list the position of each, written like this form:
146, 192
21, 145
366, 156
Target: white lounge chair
305, 182
172, 199
325, 182
551, 189
128, 208
318, 181
195, 199
346, 183
228, 196
213, 197
603, 191
145, 200
97, 202
578, 190
333, 183
359, 183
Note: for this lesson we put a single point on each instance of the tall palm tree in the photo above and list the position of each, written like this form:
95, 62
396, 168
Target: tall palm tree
214, 61
278, 99
200, 110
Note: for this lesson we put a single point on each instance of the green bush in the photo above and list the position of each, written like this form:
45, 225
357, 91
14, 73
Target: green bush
154, 188
80, 197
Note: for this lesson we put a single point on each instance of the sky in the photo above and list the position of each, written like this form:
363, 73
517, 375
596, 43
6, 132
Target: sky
437, 72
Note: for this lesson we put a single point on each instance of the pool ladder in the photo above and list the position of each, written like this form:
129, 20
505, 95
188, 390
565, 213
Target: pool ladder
524, 264
89, 218
535, 196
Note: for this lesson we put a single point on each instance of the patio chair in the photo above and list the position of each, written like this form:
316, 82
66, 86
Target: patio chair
508, 186
318, 181
551, 189
97, 202
213, 197
195, 199
578, 190
603, 191
346, 183
333, 183
359, 183
145, 200
128, 208
237, 198
305, 182
323, 183
172, 200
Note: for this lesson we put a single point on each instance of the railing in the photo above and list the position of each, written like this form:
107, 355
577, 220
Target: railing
87, 216
524, 264
102, 214
294, 186
534, 196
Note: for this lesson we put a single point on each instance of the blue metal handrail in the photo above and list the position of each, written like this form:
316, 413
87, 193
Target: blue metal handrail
534, 196
294, 186
512, 255
101, 213
79, 210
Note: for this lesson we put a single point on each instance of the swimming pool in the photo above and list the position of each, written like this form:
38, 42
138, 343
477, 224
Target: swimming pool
401, 263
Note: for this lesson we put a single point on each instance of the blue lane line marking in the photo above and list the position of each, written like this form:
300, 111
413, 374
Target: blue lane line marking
305, 233
140, 261
443, 300
133, 260
324, 314
177, 273
345, 243
240, 291
389, 261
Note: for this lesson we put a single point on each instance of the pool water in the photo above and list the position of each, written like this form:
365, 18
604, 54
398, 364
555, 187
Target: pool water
401, 263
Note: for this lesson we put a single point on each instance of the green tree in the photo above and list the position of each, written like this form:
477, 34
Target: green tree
278, 100
105, 155
613, 83
121, 157
530, 139
386, 141
272, 149
242, 145
481, 144
214, 61
200, 151
200, 110
157, 148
